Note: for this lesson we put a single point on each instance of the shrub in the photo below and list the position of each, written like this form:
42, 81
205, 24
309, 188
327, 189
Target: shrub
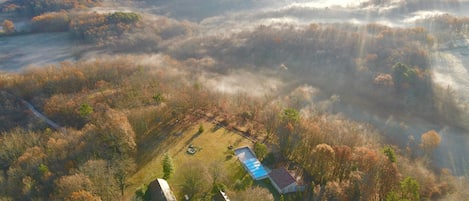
201, 128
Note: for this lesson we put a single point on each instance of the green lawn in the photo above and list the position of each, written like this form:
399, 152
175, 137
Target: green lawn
212, 147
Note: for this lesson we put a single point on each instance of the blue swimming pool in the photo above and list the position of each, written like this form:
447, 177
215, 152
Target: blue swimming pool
251, 163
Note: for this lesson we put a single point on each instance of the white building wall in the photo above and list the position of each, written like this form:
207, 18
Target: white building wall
275, 185
290, 188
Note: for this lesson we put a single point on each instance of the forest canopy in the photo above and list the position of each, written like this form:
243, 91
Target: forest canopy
100, 103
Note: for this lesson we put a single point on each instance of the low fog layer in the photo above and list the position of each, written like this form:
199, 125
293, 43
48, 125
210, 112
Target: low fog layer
242, 13
37, 50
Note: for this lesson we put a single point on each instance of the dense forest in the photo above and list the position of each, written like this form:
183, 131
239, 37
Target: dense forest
100, 104
279, 86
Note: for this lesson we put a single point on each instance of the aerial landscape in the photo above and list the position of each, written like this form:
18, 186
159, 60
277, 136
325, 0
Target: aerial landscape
242, 100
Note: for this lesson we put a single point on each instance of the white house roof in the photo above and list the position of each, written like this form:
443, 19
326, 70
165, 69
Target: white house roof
168, 194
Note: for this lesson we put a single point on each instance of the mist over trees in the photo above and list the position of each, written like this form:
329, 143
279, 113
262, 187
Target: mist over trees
383, 65
408, 6
446, 28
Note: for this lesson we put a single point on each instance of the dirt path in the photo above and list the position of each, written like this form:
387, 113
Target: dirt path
37, 113
42, 116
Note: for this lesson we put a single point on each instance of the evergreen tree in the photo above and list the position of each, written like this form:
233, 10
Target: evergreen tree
168, 166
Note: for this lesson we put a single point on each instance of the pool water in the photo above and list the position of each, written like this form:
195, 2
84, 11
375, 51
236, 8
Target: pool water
251, 163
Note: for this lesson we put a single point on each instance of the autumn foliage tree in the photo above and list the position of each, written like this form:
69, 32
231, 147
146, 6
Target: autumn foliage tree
67, 185
8, 27
430, 141
322, 168
342, 162
111, 134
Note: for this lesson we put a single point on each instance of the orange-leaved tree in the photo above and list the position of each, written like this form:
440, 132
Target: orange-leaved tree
430, 141
8, 27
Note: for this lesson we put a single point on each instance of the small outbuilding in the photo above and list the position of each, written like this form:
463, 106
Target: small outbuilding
159, 191
283, 181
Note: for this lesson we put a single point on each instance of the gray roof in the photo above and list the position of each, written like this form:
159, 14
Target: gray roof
281, 177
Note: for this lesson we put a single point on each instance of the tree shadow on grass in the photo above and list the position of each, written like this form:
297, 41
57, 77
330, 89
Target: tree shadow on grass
194, 136
265, 183
215, 127
156, 143
188, 143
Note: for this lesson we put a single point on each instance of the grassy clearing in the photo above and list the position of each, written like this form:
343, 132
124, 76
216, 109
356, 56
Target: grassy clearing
212, 145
